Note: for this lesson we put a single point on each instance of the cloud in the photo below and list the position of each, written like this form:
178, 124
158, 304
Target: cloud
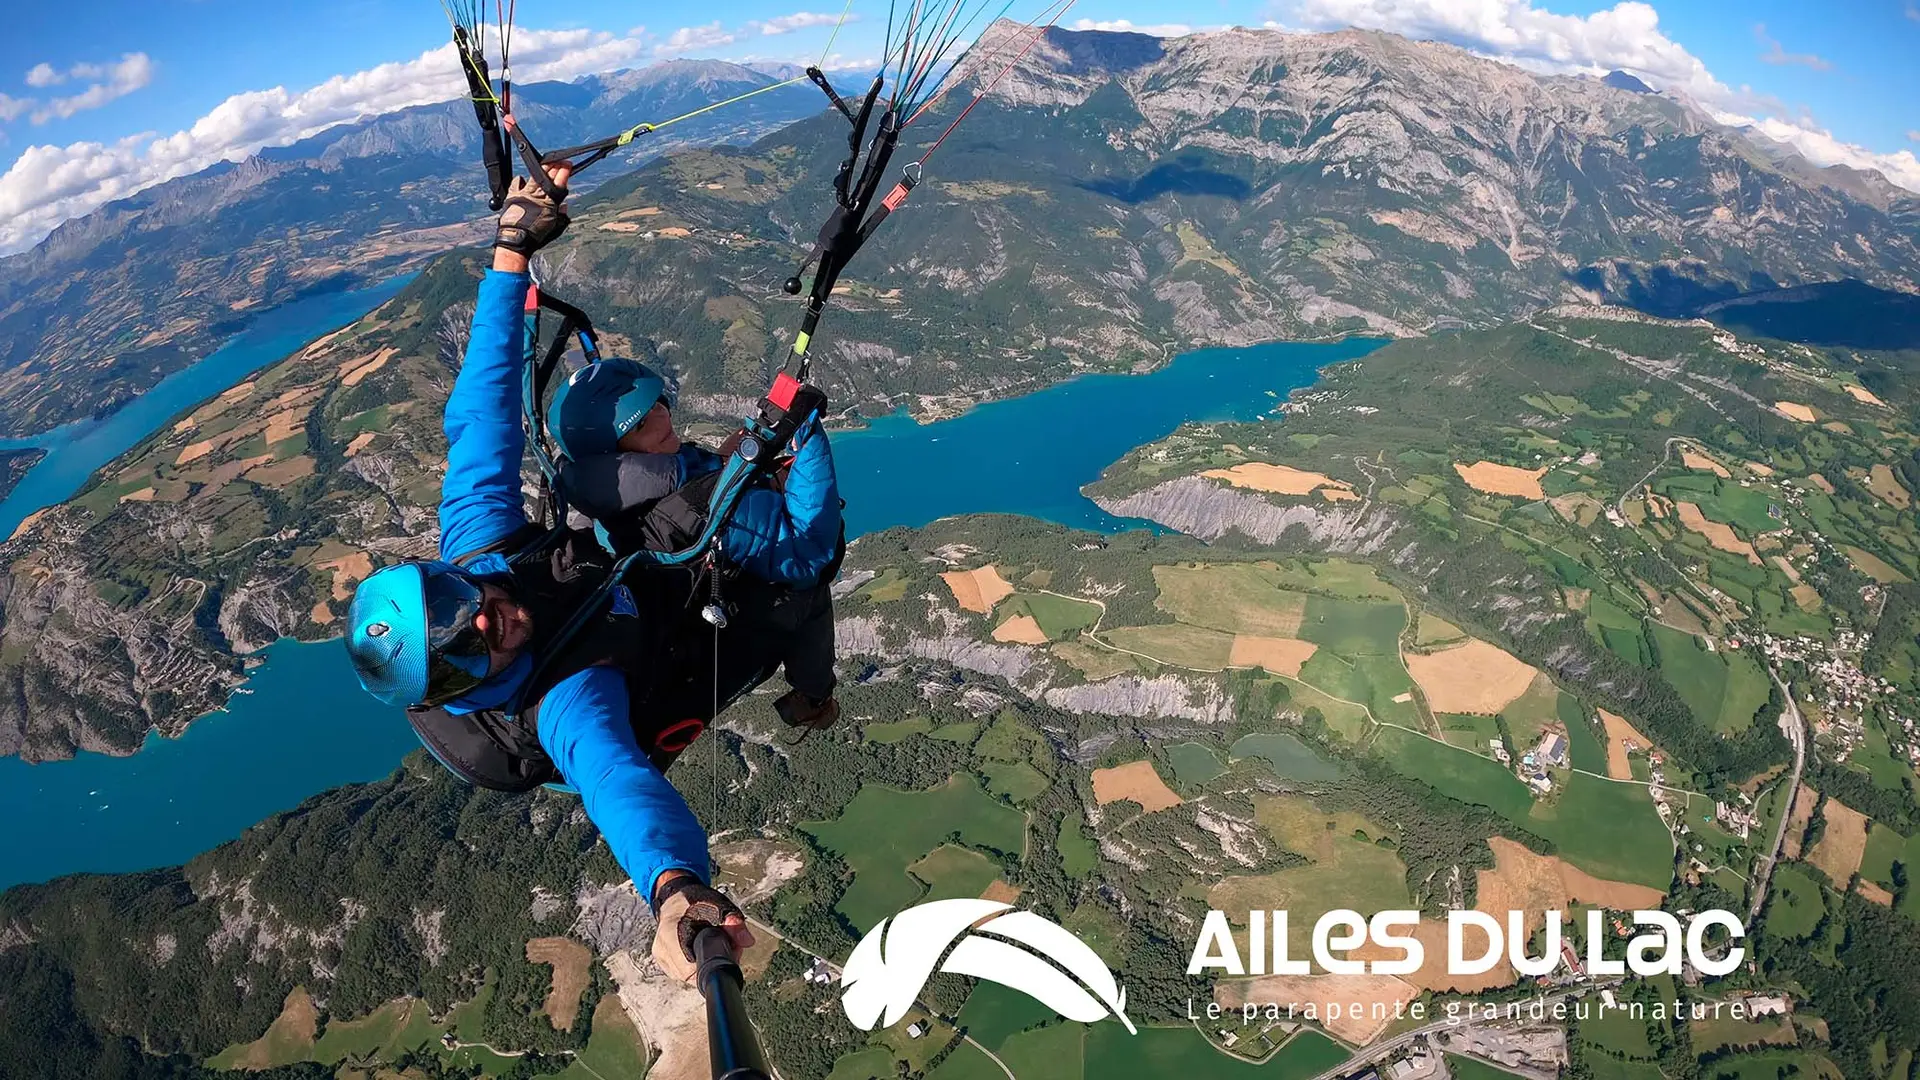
1126, 26
689, 38
799, 20
1626, 36
13, 108
1821, 147
132, 72
47, 185
1777, 55
43, 75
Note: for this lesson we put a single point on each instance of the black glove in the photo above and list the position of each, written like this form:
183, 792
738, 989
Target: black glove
686, 906
532, 218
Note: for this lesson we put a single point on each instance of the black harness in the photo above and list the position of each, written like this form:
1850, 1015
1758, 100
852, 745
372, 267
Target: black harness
647, 629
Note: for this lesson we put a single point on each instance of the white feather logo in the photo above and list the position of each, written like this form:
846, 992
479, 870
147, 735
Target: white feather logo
894, 961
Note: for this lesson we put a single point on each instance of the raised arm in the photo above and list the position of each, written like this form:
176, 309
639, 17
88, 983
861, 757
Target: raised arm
480, 503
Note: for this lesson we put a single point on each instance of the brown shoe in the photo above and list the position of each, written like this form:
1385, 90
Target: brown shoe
798, 710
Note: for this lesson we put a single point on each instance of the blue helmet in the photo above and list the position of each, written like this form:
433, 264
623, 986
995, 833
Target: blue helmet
411, 634
600, 403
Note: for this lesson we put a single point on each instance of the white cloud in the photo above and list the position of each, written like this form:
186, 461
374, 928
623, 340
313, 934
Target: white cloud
1776, 54
132, 72
1626, 36
43, 75
1126, 26
799, 20
690, 38
13, 108
1819, 146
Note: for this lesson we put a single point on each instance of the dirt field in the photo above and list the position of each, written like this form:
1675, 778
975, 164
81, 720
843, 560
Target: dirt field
322, 614
1806, 596
1693, 459
1473, 678
145, 494
1884, 485
1279, 479
1758, 469
1876, 893
347, 569
1720, 536
1861, 393
977, 590
1135, 780
1020, 630
1001, 891
1322, 991
1618, 732
1281, 656
669, 1015
1797, 820
297, 1025
1793, 410
570, 961
1578, 507
1842, 845
1339, 494
1821, 482
358, 368
360, 442
1502, 479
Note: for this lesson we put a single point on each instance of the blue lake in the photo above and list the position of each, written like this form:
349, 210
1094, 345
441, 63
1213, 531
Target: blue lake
76, 450
306, 727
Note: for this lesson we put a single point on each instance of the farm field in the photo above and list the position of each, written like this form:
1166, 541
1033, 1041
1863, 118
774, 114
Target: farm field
1711, 1035
993, 1012
1059, 1050
1771, 1065
1723, 689
1237, 598
954, 871
1466, 1068
1057, 616
613, 1046
884, 830
1634, 846
1886, 847
1456, 773
1078, 855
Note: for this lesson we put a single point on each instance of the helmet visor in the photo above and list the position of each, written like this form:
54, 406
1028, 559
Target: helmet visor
457, 655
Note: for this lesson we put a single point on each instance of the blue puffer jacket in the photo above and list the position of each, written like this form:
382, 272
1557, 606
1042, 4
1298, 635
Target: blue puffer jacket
787, 535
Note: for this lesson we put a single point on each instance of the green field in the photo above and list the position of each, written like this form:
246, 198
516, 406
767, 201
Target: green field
1795, 903
1618, 629
883, 830
1353, 627
1466, 1068
1158, 1053
1434, 630
1528, 715
1017, 780
1606, 1068
1886, 847
1059, 1050
1290, 758
613, 1046
1584, 746
1058, 616
1455, 772
868, 1064
1194, 764
955, 871
1346, 719
993, 1012
1722, 689
1350, 580
1633, 845
892, 731
1468, 731
1078, 855
1875, 758
1238, 598
1711, 1035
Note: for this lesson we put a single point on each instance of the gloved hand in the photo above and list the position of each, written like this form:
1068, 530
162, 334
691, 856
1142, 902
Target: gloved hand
532, 218
686, 906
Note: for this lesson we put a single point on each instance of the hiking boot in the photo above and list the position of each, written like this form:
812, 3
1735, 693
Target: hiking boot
800, 711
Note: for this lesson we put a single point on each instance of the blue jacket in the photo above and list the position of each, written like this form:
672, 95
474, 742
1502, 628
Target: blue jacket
787, 536
583, 719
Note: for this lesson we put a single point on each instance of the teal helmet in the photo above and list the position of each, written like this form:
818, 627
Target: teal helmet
411, 634
600, 403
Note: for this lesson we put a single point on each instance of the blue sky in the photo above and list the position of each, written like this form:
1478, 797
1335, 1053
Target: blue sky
99, 98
